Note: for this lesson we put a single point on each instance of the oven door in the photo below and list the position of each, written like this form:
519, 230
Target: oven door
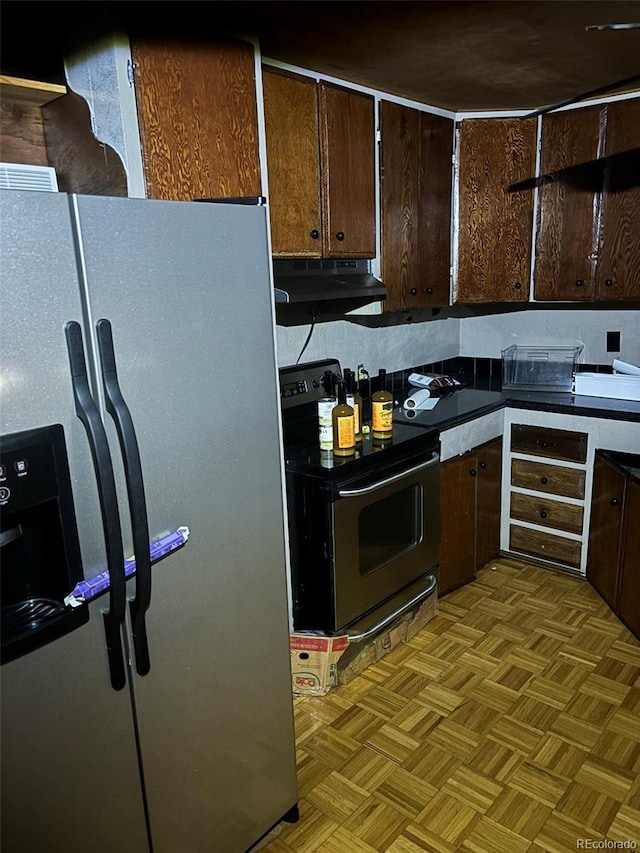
385, 535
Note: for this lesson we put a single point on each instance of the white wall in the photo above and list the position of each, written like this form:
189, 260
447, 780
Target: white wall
406, 345
390, 347
487, 336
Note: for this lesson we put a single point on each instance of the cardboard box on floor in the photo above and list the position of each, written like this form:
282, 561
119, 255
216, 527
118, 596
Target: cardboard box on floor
314, 662
319, 663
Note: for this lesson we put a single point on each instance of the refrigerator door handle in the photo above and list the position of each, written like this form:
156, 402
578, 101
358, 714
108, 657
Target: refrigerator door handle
119, 411
88, 413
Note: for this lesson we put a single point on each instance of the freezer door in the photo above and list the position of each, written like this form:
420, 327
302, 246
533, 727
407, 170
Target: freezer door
186, 290
70, 778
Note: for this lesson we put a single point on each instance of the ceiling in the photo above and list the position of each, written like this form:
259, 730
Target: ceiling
455, 55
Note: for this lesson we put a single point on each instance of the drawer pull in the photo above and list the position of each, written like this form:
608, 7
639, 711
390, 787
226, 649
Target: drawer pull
614, 501
543, 514
544, 481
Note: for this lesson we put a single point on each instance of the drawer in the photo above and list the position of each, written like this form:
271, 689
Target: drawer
553, 443
548, 513
541, 477
547, 546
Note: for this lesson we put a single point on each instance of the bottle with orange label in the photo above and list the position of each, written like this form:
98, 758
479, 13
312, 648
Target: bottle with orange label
382, 409
344, 437
355, 400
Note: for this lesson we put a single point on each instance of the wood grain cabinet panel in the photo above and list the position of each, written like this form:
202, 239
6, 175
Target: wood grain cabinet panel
495, 218
568, 205
541, 477
197, 113
469, 514
553, 443
613, 564
587, 245
618, 270
415, 206
547, 512
320, 160
293, 158
629, 587
547, 546
347, 152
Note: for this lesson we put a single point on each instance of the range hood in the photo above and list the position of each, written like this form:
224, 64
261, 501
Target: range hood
315, 280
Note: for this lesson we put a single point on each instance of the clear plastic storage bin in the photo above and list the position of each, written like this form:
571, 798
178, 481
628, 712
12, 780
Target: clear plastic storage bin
539, 368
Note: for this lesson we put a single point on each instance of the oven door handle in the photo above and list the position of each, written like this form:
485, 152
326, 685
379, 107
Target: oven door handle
350, 493
354, 638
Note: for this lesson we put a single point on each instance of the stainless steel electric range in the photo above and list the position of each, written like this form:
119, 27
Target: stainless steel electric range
363, 530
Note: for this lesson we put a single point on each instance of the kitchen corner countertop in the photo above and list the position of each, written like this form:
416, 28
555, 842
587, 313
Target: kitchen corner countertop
470, 403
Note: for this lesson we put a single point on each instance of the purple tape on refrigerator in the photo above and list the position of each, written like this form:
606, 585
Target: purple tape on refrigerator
86, 590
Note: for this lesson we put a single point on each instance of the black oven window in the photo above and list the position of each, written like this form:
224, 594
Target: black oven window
389, 528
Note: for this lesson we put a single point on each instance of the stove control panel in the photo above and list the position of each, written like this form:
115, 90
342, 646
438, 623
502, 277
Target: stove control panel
302, 383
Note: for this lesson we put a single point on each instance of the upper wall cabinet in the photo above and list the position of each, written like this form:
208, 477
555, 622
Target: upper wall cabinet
495, 217
587, 244
415, 199
618, 270
320, 160
197, 114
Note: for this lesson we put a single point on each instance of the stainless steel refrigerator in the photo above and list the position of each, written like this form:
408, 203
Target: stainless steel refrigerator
140, 460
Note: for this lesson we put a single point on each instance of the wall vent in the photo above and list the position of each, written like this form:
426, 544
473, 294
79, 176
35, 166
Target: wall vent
19, 176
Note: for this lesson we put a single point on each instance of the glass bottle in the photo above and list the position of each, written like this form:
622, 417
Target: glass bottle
344, 438
382, 409
355, 401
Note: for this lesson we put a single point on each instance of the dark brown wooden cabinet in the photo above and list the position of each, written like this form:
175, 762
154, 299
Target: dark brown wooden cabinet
587, 245
568, 206
613, 566
197, 112
618, 270
320, 161
415, 206
495, 217
469, 514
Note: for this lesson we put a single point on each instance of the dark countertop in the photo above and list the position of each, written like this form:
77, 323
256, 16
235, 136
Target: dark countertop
414, 435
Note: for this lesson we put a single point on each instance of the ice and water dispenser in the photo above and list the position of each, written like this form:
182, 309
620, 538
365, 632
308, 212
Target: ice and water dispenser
40, 560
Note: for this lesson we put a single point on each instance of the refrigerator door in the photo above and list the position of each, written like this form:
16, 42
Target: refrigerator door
186, 289
70, 778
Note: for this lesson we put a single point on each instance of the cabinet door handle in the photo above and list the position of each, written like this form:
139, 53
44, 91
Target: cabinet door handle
472, 472
518, 285
314, 234
483, 465
340, 235
428, 290
614, 501
413, 291
608, 282
579, 282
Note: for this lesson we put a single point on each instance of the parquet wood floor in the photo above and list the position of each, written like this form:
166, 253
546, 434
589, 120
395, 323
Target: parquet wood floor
509, 724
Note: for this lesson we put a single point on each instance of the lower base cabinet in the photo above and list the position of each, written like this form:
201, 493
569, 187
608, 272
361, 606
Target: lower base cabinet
469, 514
613, 564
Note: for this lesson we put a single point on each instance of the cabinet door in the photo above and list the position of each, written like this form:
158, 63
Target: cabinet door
415, 201
606, 528
629, 588
347, 132
618, 271
293, 163
197, 113
458, 479
568, 205
488, 502
495, 219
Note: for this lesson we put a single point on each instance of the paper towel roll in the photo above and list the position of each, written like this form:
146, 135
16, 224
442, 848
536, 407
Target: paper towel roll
417, 399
